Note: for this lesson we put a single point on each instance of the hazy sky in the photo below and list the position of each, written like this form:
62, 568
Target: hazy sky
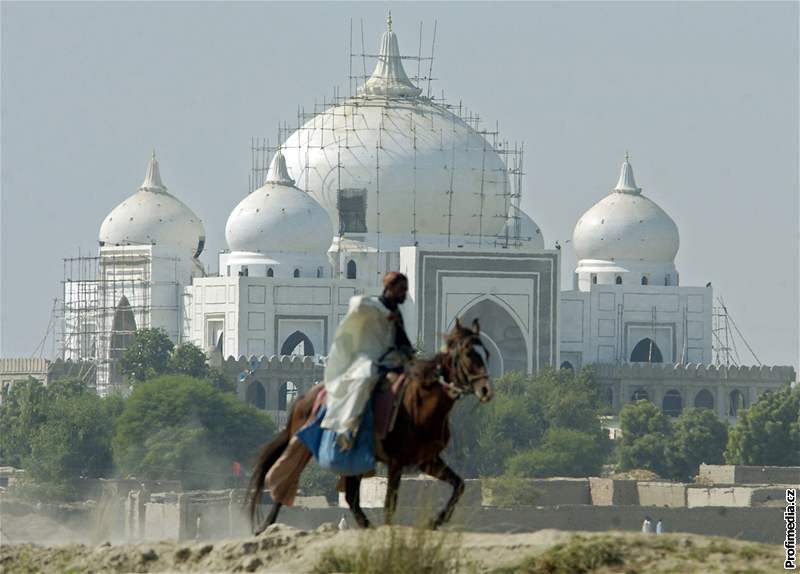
705, 97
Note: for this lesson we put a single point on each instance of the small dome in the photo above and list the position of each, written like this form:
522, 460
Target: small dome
529, 234
626, 226
152, 216
278, 217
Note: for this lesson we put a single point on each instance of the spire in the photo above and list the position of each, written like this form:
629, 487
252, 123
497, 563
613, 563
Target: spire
389, 78
626, 183
277, 172
152, 179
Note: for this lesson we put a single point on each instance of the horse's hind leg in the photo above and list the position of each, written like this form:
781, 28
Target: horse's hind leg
393, 484
352, 494
273, 515
437, 468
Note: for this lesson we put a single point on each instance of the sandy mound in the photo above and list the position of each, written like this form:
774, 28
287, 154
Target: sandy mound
285, 549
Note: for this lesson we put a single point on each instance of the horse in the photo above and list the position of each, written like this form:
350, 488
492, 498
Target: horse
420, 433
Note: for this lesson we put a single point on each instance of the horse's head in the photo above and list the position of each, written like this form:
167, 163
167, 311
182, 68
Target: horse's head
469, 361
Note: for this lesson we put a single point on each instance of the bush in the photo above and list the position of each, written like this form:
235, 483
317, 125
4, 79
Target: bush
177, 427
646, 433
564, 452
396, 550
511, 490
768, 433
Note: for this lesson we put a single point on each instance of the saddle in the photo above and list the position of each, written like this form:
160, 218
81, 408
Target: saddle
386, 400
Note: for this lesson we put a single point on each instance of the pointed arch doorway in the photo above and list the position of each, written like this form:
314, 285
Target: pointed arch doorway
502, 336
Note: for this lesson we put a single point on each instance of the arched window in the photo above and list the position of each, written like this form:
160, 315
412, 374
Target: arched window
736, 403
672, 403
644, 280
594, 279
646, 351
351, 269
256, 395
704, 400
270, 272
567, 366
640, 395
297, 273
618, 280
609, 396
286, 394
297, 343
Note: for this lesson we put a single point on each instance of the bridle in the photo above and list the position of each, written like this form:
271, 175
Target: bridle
459, 366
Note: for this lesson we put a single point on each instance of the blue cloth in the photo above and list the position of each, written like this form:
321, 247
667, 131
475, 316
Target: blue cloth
327, 451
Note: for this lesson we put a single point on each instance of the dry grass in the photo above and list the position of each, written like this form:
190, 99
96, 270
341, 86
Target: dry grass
397, 551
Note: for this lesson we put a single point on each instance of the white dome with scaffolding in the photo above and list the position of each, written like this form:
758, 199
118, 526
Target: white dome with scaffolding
152, 216
521, 231
392, 167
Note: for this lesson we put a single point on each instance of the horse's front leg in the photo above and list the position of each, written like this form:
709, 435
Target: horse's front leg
437, 468
352, 494
392, 486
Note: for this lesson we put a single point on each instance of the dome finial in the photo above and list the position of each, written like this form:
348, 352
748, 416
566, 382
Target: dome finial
152, 179
626, 183
389, 78
277, 172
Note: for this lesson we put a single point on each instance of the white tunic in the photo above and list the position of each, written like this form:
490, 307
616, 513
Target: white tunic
361, 340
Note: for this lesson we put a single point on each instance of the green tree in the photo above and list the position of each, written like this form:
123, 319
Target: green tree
178, 427
768, 433
188, 359
698, 436
75, 439
563, 452
22, 411
646, 434
148, 356
524, 408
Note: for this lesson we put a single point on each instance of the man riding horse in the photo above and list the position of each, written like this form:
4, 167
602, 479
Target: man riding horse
370, 342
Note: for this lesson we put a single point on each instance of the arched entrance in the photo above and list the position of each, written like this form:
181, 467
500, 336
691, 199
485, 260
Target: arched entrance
672, 403
567, 366
736, 403
297, 343
123, 328
502, 330
286, 394
256, 395
704, 400
646, 351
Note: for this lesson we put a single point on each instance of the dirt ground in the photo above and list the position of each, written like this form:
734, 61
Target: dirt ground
285, 549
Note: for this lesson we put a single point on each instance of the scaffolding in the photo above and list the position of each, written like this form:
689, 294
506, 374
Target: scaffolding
336, 122
106, 298
724, 332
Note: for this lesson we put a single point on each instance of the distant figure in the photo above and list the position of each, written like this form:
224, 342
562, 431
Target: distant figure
647, 525
343, 524
198, 525
659, 527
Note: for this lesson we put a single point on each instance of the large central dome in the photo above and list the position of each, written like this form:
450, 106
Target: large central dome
393, 167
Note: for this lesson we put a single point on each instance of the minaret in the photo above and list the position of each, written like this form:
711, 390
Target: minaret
626, 183
389, 78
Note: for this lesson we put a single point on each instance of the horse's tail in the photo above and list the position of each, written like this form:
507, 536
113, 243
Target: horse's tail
267, 457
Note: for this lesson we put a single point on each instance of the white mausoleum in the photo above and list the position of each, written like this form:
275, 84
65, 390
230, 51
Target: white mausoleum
388, 179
